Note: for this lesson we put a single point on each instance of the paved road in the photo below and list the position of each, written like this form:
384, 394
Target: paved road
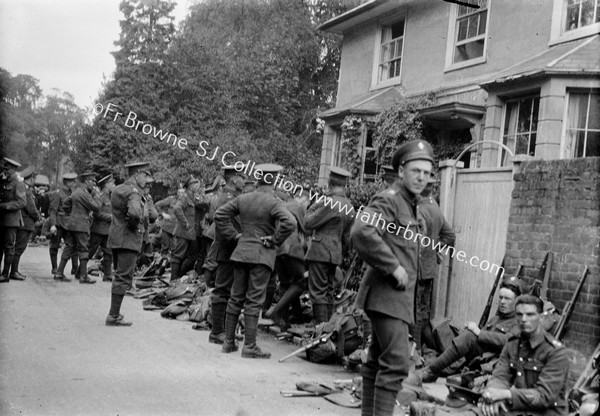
58, 358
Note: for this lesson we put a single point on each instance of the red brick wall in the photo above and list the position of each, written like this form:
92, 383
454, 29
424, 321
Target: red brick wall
556, 207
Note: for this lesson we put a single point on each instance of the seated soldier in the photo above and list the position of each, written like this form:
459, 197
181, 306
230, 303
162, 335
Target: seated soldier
531, 374
475, 341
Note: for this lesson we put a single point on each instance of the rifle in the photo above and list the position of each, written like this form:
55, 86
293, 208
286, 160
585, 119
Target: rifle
566, 313
540, 285
321, 340
488, 305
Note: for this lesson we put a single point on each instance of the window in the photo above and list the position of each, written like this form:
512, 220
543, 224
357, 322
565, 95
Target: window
470, 32
390, 52
370, 166
582, 13
520, 127
582, 135
338, 158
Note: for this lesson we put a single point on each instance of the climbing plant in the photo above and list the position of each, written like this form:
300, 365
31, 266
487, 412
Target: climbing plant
351, 130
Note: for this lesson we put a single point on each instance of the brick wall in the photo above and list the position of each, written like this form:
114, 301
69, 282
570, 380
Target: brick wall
556, 207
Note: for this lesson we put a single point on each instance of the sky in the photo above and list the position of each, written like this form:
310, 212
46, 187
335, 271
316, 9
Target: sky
65, 44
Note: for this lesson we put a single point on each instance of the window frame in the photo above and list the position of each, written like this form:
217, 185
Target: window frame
503, 125
558, 34
564, 149
365, 149
375, 83
451, 41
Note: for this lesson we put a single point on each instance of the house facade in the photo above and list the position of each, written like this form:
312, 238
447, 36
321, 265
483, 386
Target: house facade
522, 76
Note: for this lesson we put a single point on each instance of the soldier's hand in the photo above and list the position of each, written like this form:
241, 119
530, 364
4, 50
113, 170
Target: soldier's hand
473, 327
166, 216
53, 229
493, 409
401, 278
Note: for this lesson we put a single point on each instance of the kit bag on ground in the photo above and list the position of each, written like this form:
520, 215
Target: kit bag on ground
443, 333
342, 335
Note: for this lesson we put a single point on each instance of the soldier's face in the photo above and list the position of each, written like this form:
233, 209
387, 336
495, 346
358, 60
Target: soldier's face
141, 178
528, 318
415, 175
180, 192
506, 301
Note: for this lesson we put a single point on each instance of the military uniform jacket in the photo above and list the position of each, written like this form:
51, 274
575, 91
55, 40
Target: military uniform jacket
82, 204
57, 215
12, 200
383, 248
127, 225
293, 246
259, 212
535, 371
165, 206
102, 218
30, 212
330, 229
224, 247
150, 215
498, 329
185, 213
439, 231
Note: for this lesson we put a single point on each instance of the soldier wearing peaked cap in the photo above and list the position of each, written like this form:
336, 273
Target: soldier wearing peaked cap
531, 374
84, 201
387, 291
57, 219
265, 224
328, 225
484, 343
167, 222
31, 216
125, 236
13, 199
389, 175
101, 224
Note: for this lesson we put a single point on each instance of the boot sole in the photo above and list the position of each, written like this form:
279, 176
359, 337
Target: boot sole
215, 340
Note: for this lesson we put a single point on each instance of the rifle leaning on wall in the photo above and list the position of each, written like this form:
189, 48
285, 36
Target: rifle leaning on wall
566, 313
488, 306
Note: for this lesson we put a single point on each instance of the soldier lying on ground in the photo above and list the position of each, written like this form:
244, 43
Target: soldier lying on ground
474, 341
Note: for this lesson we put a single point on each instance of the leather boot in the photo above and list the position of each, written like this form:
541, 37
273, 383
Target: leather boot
60, 272
7, 265
384, 402
319, 313
251, 350
209, 277
106, 268
217, 334
229, 345
53, 262
75, 266
368, 395
14, 269
83, 276
174, 270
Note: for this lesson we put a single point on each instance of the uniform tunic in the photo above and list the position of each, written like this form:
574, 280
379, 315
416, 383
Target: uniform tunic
167, 226
58, 217
12, 200
99, 232
79, 222
535, 370
30, 215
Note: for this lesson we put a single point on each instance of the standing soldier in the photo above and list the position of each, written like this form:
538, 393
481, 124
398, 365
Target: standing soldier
254, 255
57, 219
185, 230
222, 251
438, 231
387, 290
30, 216
84, 201
12, 200
389, 176
150, 215
125, 236
167, 222
330, 225
101, 225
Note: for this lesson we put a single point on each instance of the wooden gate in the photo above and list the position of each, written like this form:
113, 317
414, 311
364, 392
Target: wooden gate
476, 203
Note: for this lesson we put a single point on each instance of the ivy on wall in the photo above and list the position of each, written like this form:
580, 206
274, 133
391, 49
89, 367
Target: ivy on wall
352, 128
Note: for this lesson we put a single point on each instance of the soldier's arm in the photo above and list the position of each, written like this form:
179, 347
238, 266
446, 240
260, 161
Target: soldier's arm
135, 210
223, 219
19, 202
152, 212
178, 211
31, 209
103, 216
501, 377
53, 209
447, 235
318, 215
286, 223
368, 239
163, 205
91, 203
493, 338
550, 382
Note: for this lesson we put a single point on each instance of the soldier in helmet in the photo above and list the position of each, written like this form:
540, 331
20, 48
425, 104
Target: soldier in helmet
265, 224
125, 235
30, 216
329, 227
84, 201
13, 199
57, 219
100, 226
386, 292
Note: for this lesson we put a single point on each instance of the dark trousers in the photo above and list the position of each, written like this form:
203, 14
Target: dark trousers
21, 241
183, 249
100, 241
423, 307
321, 282
124, 264
388, 360
55, 240
223, 282
8, 236
210, 262
76, 242
249, 288
166, 243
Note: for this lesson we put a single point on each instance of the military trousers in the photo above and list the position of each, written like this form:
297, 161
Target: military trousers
210, 262
167, 241
388, 360
249, 288
124, 265
423, 308
8, 236
21, 241
321, 282
76, 242
290, 270
223, 282
101, 241
183, 249
55, 240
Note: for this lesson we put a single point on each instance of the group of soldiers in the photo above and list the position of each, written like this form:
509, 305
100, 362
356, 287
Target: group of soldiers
239, 234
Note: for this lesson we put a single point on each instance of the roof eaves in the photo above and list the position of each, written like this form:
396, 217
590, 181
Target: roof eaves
358, 10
